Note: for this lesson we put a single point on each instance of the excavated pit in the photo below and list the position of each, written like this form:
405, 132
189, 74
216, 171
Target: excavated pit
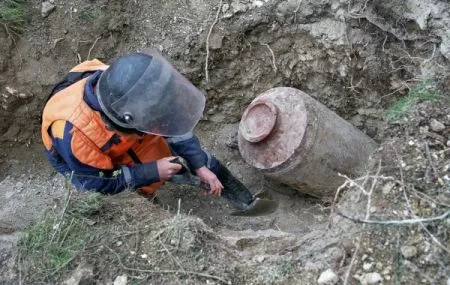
356, 58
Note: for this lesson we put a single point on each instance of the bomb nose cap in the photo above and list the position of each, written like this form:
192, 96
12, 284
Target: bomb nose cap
258, 121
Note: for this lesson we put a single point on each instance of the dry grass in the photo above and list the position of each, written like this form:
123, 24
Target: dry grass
12, 17
398, 217
49, 246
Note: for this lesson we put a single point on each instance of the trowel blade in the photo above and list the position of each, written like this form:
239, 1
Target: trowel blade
259, 207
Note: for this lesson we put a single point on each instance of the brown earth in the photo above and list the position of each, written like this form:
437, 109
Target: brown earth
356, 57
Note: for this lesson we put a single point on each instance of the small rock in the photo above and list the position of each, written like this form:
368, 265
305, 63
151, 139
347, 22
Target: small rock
238, 6
448, 143
225, 7
10, 90
215, 41
258, 3
47, 8
437, 126
367, 266
388, 187
81, 275
24, 95
259, 258
328, 277
387, 270
408, 251
144, 256
371, 278
423, 130
121, 280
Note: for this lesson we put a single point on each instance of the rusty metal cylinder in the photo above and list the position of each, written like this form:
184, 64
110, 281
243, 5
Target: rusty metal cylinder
292, 138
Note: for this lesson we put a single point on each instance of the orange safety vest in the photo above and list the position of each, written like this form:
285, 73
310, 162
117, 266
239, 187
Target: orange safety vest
90, 134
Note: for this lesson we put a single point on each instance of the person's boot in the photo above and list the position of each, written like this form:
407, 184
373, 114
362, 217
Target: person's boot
233, 189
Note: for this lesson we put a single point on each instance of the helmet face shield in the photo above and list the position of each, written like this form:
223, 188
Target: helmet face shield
158, 101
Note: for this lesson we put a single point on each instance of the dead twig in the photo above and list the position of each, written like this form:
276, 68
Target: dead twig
274, 66
207, 40
171, 256
396, 222
10, 32
426, 197
166, 271
296, 10
57, 226
384, 42
430, 161
368, 206
352, 262
20, 268
369, 195
92, 47
408, 204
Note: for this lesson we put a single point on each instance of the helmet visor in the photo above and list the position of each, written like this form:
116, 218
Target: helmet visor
161, 102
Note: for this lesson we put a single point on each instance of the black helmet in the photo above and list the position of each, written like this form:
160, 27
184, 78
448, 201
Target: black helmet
142, 91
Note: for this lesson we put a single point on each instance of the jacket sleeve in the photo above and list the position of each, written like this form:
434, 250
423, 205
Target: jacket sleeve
188, 147
88, 178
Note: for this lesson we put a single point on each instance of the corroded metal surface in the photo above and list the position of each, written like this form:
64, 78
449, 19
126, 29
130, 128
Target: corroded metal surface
308, 145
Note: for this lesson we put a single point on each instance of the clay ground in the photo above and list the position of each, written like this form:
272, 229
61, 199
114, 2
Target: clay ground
359, 58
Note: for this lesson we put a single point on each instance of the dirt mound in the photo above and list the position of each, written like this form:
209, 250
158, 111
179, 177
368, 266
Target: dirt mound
354, 57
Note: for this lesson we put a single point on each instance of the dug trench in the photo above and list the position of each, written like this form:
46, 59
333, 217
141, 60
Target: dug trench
357, 58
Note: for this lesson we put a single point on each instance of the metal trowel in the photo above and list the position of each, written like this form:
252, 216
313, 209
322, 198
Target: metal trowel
261, 205
249, 205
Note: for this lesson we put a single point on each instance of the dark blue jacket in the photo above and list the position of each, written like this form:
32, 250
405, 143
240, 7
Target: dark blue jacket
87, 178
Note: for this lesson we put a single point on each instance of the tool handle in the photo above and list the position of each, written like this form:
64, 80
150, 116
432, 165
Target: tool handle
177, 160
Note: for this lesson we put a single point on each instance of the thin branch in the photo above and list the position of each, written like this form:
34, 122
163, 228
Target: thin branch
92, 47
369, 196
207, 40
384, 42
435, 240
61, 219
9, 32
273, 58
426, 197
368, 206
296, 10
353, 183
352, 262
171, 255
430, 161
20, 269
396, 222
167, 271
